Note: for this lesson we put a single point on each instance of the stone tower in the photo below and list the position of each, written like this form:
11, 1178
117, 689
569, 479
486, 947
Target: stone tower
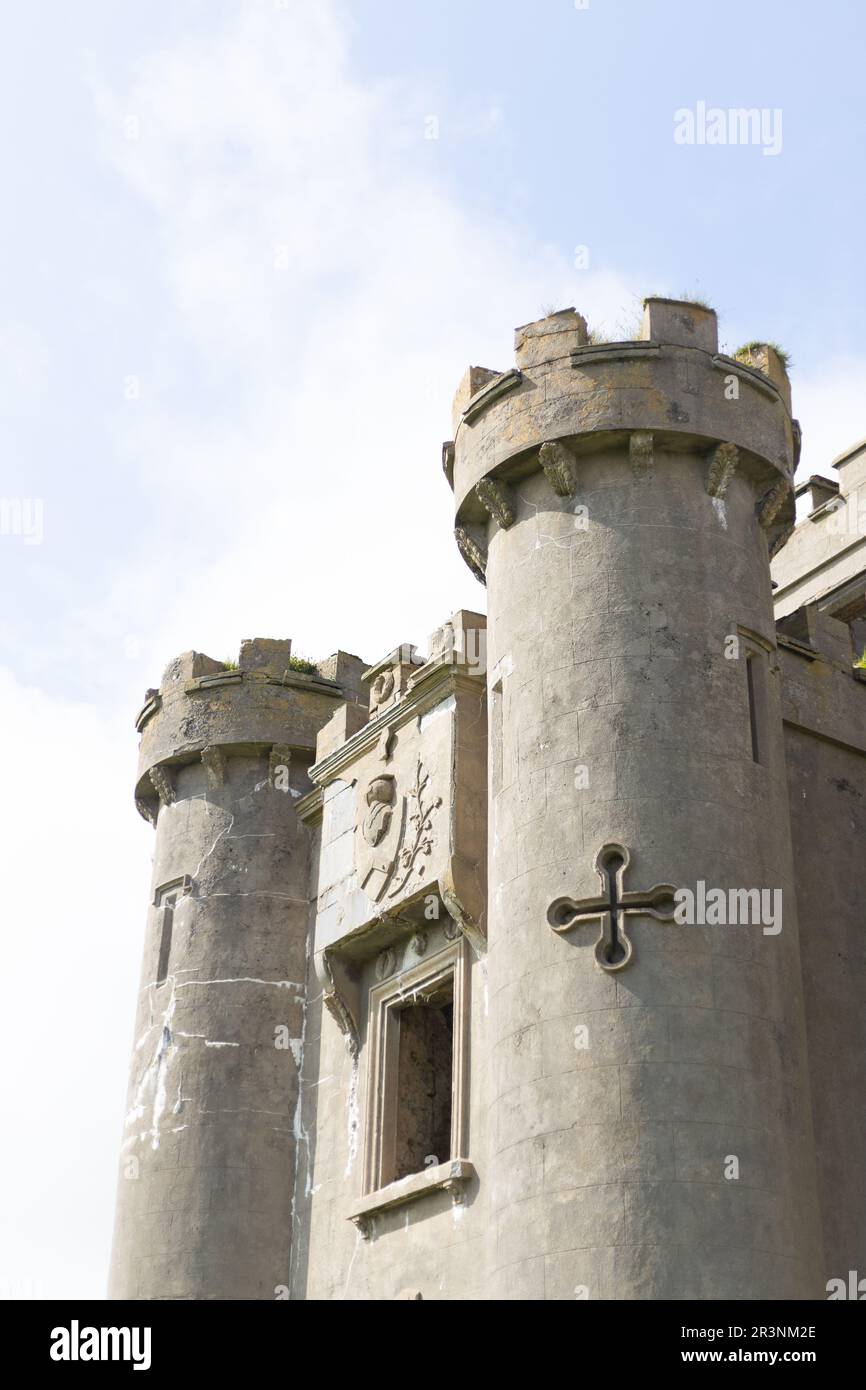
206, 1188
650, 1127
530, 967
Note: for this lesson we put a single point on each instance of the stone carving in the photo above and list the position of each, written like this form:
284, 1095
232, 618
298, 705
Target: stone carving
783, 536
496, 499
772, 502
640, 449
419, 840
558, 463
723, 466
385, 963
396, 832
442, 641
163, 785
145, 809
379, 831
340, 996
382, 689
214, 765
419, 943
380, 798
386, 745
472, 553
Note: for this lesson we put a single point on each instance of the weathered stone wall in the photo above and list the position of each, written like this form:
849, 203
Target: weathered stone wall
431, 1246
616, 716
826, 554
825, 746
639, 1109
206, 1180
206, 1211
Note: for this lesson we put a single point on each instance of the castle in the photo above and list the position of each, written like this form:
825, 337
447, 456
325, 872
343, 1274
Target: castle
425, 1011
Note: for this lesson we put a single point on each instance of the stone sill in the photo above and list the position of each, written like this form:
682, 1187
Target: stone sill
445, 1177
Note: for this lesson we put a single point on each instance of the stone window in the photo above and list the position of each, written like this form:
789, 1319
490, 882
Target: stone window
417, 1082
756, 696
424, 1083
164, 901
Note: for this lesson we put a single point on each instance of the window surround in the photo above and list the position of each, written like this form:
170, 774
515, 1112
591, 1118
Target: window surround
385, 1002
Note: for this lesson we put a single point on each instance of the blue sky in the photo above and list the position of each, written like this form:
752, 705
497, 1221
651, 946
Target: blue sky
239, 287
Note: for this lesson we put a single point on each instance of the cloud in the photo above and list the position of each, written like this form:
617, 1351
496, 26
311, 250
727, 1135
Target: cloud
831, 405
316, 290
329, 290
74, 899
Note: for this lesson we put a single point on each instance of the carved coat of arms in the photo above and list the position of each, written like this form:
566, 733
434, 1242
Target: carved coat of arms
395, 833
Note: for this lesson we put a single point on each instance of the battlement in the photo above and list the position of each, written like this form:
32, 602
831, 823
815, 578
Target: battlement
570, 394
266, 699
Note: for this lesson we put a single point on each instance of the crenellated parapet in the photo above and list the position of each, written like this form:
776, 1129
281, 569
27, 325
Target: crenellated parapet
567, 396
205, 710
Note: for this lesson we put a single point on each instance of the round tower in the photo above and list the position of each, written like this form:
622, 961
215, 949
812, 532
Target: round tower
650, 1118
205, 1196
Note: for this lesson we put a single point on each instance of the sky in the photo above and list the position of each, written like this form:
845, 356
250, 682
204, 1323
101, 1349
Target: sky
249, 248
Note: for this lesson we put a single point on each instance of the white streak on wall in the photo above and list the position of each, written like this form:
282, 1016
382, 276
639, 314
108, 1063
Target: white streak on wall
243, 980
353, 1118
207, 1041
225, 830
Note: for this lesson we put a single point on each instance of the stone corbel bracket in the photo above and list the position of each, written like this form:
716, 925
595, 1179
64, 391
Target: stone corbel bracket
163, 785
774, 516
474, 554
723, 465
341, 996
145, 810
214, 762
497, 499
771, 504
781, 538
559, 465
463, 899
